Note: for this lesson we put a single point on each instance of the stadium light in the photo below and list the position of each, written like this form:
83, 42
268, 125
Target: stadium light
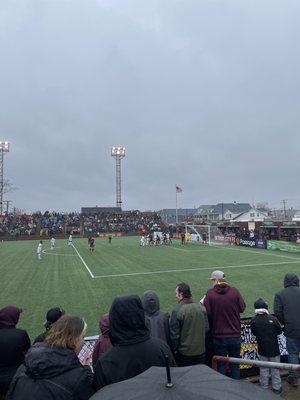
4, 148
118, 152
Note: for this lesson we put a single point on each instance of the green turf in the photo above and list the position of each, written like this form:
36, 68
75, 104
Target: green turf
61, 279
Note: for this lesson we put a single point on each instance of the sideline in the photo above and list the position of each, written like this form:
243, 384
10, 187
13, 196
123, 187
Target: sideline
197, 269
83, 262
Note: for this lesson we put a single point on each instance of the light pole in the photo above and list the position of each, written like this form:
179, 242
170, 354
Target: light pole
118, 153
4, 148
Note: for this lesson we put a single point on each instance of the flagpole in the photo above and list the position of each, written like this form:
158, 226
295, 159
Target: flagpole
176, 206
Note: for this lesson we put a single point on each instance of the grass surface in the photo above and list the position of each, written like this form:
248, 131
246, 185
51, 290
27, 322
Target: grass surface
62, 279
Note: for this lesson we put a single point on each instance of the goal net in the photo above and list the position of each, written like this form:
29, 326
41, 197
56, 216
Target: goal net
205, 234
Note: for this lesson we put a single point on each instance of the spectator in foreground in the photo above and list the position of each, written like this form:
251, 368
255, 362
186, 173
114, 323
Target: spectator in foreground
224, 304
187, 327
287, 310
52, 316
133, 351
14, 343
52, 369
266, 328
156, 320
103, 343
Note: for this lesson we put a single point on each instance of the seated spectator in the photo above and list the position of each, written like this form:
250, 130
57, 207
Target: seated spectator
52, 369
266, 328
52, 316
133, 351
103, 343
14, 343
156, 320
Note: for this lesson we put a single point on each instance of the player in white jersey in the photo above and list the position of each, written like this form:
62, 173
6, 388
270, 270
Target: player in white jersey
70, 241
143, 241
39, 250
52, 241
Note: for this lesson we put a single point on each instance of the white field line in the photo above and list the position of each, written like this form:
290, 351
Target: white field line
188, 251
196, 269
58, 254
83, 262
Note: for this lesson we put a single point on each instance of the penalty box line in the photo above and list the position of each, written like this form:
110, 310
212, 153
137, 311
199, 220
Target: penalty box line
196, 269
83, 262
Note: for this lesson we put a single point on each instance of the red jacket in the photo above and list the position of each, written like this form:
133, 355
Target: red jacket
223, 305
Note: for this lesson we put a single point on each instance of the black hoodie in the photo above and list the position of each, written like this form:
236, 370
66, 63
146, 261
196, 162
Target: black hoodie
156, 320
133, 350
51, 373
287, 306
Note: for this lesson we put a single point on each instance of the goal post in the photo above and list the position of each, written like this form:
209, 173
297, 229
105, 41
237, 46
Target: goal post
198, 233
206, 234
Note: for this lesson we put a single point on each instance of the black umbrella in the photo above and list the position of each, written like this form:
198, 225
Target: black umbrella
197, 382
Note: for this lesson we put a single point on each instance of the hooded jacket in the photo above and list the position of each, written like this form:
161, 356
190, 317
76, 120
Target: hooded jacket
14, 343
103, 343
266, 328
51, 373
223, 305
156, 320
287, 306
133, 351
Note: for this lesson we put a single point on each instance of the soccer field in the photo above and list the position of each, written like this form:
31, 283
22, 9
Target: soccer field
85, 284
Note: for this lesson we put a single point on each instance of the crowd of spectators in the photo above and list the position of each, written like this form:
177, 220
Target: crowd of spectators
18, 225
136, 335
125, 222
56, 224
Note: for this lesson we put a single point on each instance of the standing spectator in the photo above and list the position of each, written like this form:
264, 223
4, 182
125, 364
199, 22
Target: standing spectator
133, 351
14, 343
52, 369
103, 343
157, 321
187, 328
287, 310
266, 328
52, 316
223, 305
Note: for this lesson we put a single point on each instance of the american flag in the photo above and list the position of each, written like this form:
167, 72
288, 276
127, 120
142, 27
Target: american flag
178, 189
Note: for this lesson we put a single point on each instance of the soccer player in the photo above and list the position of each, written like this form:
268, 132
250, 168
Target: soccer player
143, 241
91, 244
52, 243
109, 238
39, 250
70, 241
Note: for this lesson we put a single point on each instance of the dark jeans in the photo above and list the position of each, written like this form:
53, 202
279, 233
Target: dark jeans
185, 361
230, 347
293, 349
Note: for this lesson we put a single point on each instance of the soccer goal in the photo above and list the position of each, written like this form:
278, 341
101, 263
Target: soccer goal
205, 234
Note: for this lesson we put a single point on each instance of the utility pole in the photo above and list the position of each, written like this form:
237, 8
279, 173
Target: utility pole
284, 207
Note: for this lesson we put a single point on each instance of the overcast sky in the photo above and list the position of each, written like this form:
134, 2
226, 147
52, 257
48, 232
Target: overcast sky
203, 94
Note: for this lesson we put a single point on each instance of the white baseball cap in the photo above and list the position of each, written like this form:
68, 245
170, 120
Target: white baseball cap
217, 275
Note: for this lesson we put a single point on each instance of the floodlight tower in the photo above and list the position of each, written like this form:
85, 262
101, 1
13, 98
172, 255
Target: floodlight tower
118, 153
4, 148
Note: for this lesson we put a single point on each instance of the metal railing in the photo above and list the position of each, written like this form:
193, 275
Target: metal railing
255, 363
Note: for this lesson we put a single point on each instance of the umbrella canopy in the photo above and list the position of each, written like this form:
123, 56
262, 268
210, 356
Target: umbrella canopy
197, 382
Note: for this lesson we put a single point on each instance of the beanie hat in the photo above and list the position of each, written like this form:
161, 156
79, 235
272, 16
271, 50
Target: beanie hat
260, 303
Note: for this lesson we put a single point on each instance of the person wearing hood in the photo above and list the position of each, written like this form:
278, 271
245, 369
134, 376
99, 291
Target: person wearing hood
266, 328
224, 304
156, 320
287, 310
103, 343
134, 350
52, 316
14, 344
52, 369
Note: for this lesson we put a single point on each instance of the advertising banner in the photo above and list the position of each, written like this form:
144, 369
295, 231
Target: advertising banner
283, 246
261, 244
247, 242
